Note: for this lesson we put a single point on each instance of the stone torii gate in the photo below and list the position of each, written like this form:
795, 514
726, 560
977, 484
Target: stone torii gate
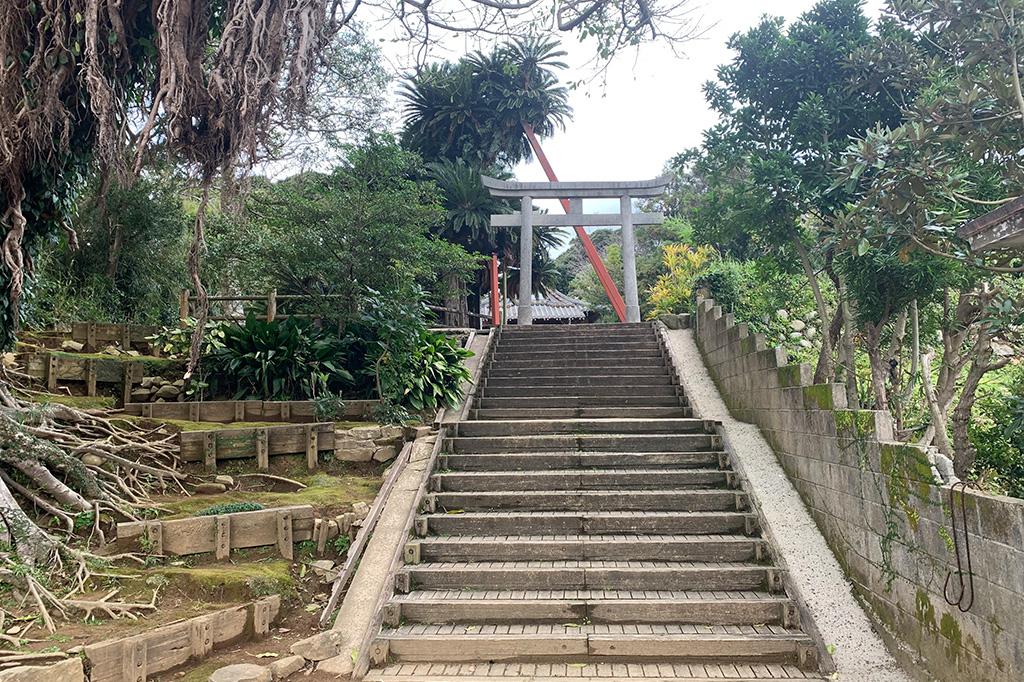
575, 193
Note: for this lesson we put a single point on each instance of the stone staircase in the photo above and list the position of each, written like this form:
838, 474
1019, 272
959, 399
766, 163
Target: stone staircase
583, 523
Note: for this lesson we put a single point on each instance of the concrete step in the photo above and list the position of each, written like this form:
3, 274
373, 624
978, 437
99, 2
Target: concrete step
590, 606
667, 643
585, 401
589, 575
581, 412
587, 523
526, 361
581, 479
543, 461
621, 344
501, 370
603, 381
578, 330
531, 427
528, 390
590, 500
608, 355
686, 442
584, 547
447, 671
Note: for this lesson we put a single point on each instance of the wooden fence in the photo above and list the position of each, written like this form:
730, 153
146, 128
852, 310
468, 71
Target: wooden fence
83, 374
95, 334
227, 411
134, 659
281, 527
260, 442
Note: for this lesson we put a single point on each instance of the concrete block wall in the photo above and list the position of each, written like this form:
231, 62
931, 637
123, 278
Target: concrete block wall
883, 511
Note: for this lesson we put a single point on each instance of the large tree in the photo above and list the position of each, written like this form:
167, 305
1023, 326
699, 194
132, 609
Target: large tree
788, 104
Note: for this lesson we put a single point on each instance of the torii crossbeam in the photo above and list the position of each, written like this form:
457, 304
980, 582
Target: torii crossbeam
575, 193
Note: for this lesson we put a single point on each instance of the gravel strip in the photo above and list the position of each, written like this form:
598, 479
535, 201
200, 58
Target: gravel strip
859, 652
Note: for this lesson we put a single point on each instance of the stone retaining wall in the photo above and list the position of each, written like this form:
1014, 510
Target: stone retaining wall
882, 510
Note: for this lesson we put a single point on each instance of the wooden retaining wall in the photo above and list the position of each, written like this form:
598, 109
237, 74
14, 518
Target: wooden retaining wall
281, 526
260, 442
226, 411
134, 659
56, 370
95, 334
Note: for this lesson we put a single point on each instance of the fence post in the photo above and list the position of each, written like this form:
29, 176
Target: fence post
495, 303
183, 305
271, 305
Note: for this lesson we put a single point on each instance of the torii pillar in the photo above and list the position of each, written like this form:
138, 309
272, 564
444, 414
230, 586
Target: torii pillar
575, 192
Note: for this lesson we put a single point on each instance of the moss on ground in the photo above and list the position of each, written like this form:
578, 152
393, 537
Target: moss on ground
81, 402
322, 491
230, 581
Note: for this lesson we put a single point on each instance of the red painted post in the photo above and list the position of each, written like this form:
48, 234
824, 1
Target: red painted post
610, 290
495, 304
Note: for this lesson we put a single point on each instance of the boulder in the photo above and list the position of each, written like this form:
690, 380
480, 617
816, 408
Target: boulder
391, 432
167, 392
68, 670
362, 453
111, 350
319, 647
283, 667
72, 346
385, 454
148, 382
363, 432
782, 314
360, 509
797, 325
323, 568
810, 332
241, 672
225, 480
92, 460
180, 383
140, 395
211, 488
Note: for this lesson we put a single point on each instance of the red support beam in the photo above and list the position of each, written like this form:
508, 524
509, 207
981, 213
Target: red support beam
610, 290
495, 303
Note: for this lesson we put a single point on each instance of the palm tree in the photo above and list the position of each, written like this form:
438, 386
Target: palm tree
476, 109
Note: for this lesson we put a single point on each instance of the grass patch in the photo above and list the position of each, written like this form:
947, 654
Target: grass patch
227, 581
81, 402
323, 491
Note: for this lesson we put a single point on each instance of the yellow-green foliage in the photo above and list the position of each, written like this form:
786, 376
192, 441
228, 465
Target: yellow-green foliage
673, 292
81, 402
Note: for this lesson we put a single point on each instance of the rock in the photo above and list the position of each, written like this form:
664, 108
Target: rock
140, 395
805, 343
225, 480
68, 670
323, 568
796, 335
147, 382
180, 383
167, 392
385, 454
241, 672
73, 346
339, 666
92, 460
797, 325
782, 314
181, 398
810, 332
133, 353
211, 488
418, 432
360, 509
391, 433
111, 350
363, 432
362, 453
286, 666
319, 647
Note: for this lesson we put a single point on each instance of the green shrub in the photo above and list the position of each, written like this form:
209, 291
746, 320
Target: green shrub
230, 508
997, 433
279, 360
434, 373
176, 342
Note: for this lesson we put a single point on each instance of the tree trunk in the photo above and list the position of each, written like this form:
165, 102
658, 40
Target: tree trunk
30, 543
848, 355
879, 367
824, 372
941, 436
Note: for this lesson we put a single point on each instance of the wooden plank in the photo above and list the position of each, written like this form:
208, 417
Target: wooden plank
311, 447
193, 412
262, 451
209, 450
224, 411
223, 543
284, 534
239, 411
201, 534
90, 377
169, 646
289, 439
90, 337
52, 370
